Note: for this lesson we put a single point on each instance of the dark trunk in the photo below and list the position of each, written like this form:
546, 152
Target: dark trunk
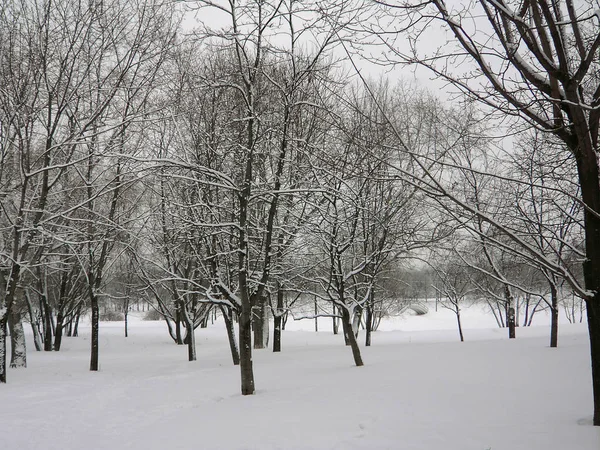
554, 316
95, 332
47, 324
191, 341
368, 324
587, 167
593, 316
460, 330
346, 328
33, 320
245, 331
348, 332
277, 321
510, 312
59, 330
335, 321
3, 332
76, 326
233, 346
277, 333
178, 336
126, 322
316, 313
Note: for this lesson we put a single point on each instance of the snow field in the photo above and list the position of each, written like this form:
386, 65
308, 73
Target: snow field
420, 389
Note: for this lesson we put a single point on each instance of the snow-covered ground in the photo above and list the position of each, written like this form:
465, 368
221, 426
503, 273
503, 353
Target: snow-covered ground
419, 389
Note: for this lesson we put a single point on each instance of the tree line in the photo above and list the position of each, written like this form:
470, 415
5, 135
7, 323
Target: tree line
248, 166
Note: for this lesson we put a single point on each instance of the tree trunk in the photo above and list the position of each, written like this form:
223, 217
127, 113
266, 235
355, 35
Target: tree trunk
260, 322
587, 167
76, 326
178, 336
3, 332
351, 337
554, 316
510, 312
233, 346
245, 330
460, 330
356, 321
277, 321
95, 331
37, 338
47, 323
126, 314
191, 341
59, 331
368, 325
316, 313
335, 321
18, 354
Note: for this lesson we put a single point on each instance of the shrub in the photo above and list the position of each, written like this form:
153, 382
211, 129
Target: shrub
111, 316
153, 314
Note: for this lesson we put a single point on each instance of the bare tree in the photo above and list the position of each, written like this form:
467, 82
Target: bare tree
535, 61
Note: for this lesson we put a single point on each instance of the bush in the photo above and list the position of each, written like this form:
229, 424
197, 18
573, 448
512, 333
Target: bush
112, 316
153, 314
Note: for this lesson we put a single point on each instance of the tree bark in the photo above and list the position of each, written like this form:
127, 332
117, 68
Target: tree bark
191, 338
3, 333
18, 354
95, 343
554, 316
76, 326
37, 338
335, 321
368, 325
126, 315
59, 330
260, 322
351, 337
233, 346
245, 330
277, 321
178, 335
47, 322
459, 323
